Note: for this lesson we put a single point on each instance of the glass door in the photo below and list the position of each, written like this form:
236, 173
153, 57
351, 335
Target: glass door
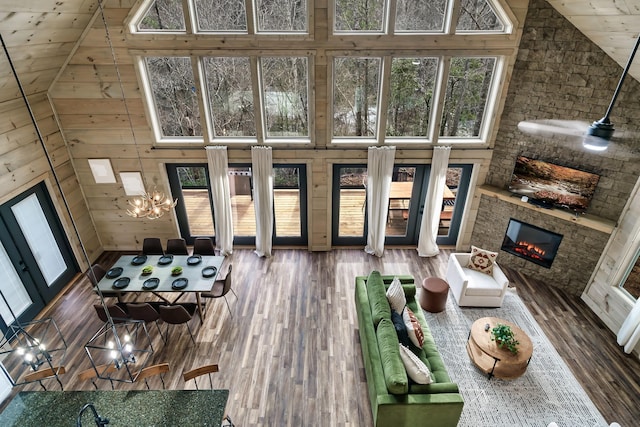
404, 212
36, 258
455, 195
406, 204
349, 205
190, 185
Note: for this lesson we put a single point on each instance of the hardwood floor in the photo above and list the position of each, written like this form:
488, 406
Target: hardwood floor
290, 354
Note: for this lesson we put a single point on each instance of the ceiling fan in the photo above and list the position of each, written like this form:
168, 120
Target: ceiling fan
595, 136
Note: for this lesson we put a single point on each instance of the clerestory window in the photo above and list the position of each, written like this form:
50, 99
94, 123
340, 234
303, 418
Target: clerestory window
259, 81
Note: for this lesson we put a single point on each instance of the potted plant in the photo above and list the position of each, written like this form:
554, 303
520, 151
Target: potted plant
505, 338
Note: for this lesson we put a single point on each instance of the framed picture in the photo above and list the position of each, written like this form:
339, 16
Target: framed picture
132, 183
102, 171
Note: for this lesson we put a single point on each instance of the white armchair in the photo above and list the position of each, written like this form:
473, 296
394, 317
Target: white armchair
475, 288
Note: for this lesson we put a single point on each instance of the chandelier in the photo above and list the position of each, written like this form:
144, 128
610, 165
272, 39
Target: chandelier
150, 205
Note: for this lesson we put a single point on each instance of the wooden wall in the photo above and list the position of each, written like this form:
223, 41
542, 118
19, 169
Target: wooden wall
88, 101
25, 164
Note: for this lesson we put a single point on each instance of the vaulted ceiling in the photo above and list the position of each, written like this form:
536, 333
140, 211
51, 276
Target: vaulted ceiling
41, 34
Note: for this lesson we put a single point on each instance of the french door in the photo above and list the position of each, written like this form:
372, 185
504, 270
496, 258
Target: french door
190, 185
35, 257
408, 190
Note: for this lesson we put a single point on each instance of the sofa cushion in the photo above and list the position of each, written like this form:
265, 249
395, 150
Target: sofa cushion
481, 284
401, 328
395, 295
395, 375
413, 327
377, 298
416, 370
482, 260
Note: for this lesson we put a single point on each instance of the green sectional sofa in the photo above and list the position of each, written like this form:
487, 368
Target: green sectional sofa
395, 399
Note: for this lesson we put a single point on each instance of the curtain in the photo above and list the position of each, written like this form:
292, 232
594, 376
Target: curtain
433, 203
629, 333
262, 170
222, 214
379, 170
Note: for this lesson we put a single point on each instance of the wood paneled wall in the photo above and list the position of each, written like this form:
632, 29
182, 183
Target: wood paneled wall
88, 100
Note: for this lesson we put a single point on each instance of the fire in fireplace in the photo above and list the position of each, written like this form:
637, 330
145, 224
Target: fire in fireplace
532, 243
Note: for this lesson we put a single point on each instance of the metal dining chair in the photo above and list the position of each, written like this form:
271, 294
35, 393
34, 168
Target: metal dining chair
145, 312
150, 371
177, 314
92, 374
203, 246
195, 373
95, 274
43, 374
152, 246
117, 312
177, 247
220, 289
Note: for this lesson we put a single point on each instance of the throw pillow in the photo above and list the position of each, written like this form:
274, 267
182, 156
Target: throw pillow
482, 260
414, 330
416, 369
395, 295
401, 328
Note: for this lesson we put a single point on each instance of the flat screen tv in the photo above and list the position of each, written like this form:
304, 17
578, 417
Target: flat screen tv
551, 185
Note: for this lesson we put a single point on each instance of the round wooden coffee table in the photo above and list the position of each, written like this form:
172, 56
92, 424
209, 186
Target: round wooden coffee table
493, 360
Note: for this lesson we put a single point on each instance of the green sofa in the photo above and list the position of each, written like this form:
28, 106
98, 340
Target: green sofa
395, 399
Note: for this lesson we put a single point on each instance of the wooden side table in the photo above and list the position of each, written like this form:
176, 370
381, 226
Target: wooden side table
493, 360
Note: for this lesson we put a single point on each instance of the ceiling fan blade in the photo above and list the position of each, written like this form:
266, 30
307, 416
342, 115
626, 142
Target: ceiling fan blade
574, 130
550, 128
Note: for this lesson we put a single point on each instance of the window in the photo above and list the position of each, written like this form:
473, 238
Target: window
355, 99
174, 96
230, 96
221, 16
284, 82
391, 72
480, 15
411, 96
414, 16
162, 15
466, 96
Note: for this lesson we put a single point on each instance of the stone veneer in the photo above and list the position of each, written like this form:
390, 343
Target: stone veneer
560, 74
573, 263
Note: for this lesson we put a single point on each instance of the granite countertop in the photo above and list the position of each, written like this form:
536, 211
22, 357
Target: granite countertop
123, 408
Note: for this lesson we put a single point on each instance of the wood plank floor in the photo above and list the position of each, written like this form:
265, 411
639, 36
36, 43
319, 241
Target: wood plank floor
290, 354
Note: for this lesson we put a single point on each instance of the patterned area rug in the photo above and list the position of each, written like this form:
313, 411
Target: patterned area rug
547, 392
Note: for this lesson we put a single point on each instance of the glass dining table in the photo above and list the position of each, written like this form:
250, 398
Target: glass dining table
161, 274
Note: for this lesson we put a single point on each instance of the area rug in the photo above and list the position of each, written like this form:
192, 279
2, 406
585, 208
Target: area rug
547, 391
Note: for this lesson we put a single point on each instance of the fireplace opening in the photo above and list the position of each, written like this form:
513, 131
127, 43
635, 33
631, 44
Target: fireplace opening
532, 243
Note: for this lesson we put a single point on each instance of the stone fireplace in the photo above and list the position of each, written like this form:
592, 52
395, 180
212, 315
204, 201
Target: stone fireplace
583, 238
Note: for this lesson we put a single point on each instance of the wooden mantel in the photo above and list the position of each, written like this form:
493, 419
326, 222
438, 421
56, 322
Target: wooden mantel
585, 220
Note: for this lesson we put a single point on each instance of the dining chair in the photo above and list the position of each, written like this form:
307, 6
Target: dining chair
95, 274
203, 246
205, 370
43, 374
152, 246
92, 374
150, 371
177, 247
177, 314
220, 289
146, 312
116, 311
